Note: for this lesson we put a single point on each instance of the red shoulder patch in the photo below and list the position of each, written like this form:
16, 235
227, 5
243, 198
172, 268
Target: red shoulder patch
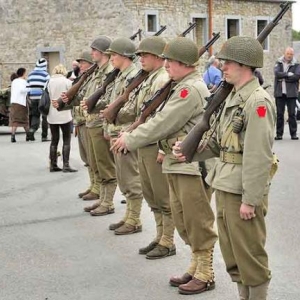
184, 93
261, 111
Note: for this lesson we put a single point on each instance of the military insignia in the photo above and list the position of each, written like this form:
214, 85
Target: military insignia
184, 93
261, 111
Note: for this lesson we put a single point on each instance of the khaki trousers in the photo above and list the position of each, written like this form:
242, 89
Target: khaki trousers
100, 158
242, 242
129, 183
191, 210
128, 175
156, 192
83, 151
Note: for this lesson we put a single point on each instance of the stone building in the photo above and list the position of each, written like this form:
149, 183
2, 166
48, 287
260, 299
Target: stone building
59, 30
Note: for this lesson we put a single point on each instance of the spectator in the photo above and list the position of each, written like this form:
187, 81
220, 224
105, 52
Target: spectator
213, 75
19, 108
58, 84
37, 80
73, 74
287, 74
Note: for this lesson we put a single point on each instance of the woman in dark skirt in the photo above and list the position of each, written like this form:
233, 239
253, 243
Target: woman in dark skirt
18, 115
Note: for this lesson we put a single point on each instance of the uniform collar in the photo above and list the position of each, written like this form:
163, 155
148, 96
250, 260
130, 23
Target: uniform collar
236, 97
126, 71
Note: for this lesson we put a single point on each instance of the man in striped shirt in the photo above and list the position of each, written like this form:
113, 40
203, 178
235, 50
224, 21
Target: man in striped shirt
37, 80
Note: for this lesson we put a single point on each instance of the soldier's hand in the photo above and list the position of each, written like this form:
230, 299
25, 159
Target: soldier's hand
177, 152
119, 145
160, 158
64, 97
247, 212
54, 103
83, 104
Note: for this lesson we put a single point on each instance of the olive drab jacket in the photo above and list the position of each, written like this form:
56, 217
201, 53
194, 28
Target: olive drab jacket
180, 113
155, 81
98, 77
127, 113
245, 158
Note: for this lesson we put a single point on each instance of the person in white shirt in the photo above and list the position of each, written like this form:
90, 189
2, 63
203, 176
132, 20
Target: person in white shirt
18, 115
58, 84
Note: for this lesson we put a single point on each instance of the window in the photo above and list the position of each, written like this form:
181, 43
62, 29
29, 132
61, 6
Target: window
232, 27
151, 21
200, 31
260, 25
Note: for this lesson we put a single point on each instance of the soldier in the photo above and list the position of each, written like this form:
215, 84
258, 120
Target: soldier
241, 177
190, 205
122, 51
154, 182
100, 158
85, 62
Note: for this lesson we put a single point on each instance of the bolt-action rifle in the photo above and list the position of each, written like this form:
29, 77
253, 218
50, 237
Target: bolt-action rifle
73, 90
191, 143
111, 76
160, 96
111, 112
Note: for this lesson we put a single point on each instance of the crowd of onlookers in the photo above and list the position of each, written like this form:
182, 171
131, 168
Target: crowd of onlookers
25, 95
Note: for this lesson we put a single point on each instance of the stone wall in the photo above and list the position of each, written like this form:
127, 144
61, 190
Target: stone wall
68, 27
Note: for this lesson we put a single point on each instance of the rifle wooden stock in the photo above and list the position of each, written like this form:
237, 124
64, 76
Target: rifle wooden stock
110, 113
71, 92
93, 99
152, 104
191, 142
159, 97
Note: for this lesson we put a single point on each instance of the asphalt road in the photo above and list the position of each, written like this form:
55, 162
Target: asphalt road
50, 249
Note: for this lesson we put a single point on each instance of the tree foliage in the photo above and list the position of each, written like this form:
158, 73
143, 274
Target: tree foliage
296, 35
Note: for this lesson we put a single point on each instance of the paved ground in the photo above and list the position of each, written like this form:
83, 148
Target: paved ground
50, 249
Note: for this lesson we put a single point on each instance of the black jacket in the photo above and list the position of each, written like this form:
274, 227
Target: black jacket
292, 82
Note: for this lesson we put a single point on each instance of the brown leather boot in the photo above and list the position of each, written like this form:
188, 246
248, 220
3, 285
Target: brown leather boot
80, 195
115, 226
148, 248
178, 280
90, 196
195, 286
128, 229
92, 207
102, 211
160, 252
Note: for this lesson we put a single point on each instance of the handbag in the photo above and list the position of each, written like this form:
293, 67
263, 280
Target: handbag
44, 103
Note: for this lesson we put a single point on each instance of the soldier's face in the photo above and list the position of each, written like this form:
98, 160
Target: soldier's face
96, 55
84, 65
174, 68
232, 71
117, 60
147, 61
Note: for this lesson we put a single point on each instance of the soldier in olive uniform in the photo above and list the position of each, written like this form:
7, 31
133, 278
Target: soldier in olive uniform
122, 51
154, 182
190, 205
241, 177
85, 62
100, 157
